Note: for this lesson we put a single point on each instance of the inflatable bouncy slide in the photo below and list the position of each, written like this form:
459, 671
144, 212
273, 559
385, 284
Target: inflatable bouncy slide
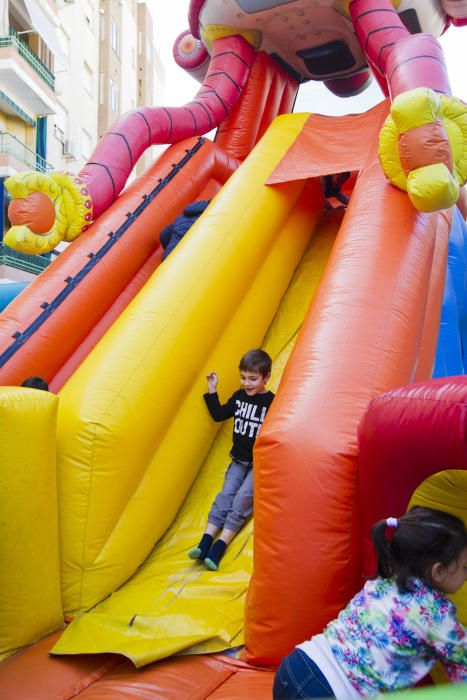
107, 480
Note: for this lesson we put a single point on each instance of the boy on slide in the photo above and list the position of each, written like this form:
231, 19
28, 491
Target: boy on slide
234, 504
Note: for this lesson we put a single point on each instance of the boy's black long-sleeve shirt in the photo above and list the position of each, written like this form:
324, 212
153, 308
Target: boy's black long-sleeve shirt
248, 412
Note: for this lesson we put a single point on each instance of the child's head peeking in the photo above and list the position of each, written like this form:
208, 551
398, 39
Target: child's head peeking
255, 371
36, 383
426, 543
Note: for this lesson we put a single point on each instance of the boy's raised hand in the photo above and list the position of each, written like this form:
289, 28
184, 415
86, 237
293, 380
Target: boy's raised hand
212, 382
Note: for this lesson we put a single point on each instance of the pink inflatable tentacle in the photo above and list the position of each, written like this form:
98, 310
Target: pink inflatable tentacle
390, 47
193, 16
191, 55
114, 157
378, 27
424, 54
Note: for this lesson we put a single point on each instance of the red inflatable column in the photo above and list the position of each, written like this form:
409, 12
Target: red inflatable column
406, 436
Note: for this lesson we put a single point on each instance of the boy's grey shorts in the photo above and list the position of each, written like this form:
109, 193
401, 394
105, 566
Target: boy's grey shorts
234, 504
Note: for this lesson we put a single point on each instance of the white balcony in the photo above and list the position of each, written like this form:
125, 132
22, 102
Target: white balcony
24, 78
15, 156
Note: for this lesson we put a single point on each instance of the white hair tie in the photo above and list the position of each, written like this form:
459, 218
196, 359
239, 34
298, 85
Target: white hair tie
392, 522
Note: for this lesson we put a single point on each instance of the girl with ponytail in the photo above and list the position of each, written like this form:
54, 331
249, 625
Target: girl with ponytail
394, 630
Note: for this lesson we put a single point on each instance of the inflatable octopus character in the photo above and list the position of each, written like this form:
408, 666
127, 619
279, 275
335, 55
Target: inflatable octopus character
423, 144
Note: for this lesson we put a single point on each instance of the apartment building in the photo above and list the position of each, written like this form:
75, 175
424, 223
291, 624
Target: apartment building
151, 76
68, 69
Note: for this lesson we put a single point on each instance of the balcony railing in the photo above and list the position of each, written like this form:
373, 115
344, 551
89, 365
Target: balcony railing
12, 146
29, 56
21, 261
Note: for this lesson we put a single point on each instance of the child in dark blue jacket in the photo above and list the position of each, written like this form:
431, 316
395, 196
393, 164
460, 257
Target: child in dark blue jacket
174, 232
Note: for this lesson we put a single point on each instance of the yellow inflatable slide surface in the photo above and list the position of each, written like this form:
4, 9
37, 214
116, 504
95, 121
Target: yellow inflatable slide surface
133, 432
171, 599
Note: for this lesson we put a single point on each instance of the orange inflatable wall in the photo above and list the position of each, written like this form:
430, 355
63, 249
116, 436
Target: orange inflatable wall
364, 332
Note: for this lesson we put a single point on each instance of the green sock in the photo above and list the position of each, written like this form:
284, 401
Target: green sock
200, 551
215, 554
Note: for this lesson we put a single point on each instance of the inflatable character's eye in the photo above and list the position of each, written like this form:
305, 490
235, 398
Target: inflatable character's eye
333, 57
254, 6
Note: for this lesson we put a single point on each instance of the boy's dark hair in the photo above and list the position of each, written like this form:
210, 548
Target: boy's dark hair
422, 538
256, 361
36, 383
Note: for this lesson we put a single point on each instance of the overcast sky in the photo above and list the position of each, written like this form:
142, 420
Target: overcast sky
313, 97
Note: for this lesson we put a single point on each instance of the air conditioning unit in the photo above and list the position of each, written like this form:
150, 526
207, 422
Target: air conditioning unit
69, 149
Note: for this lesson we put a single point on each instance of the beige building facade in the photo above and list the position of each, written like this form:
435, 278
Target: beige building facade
130, 69
68, 69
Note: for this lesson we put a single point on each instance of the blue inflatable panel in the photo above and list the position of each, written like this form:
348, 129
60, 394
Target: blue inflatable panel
9, 291
451, 352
